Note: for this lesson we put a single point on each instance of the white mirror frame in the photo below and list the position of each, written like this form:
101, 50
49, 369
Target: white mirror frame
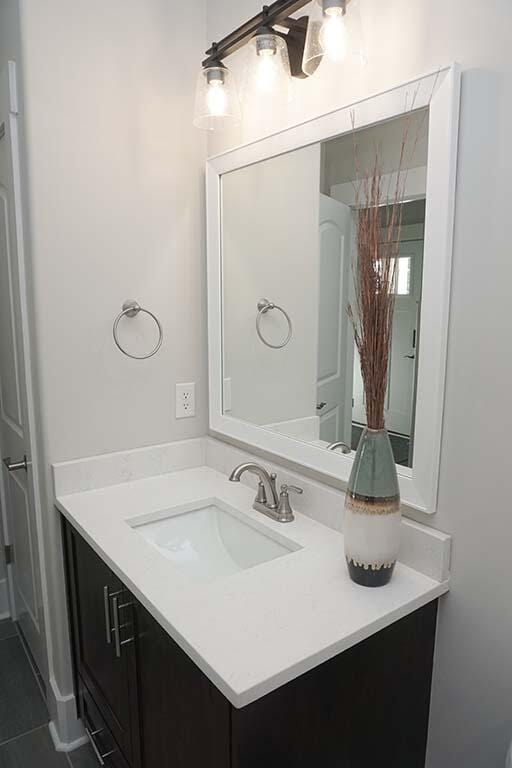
440, 91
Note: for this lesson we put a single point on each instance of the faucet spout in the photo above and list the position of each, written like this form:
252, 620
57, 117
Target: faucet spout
344, 447
268, 481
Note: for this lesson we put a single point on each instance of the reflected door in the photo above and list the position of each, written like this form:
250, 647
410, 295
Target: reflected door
334, 384
20, 527
404, 346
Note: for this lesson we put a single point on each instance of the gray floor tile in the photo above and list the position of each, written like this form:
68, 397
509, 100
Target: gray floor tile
82, 758
7, 629
34, 750
22, 707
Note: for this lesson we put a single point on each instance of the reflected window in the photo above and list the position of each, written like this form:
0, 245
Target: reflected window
403, 276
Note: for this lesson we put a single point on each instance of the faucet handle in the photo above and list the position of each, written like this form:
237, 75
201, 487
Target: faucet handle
261, 496
285, 489
284, 510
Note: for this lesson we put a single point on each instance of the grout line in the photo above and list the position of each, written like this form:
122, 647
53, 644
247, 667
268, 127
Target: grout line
21, 735
32, 665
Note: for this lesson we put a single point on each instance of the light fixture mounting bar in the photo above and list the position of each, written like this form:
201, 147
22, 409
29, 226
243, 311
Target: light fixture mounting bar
270, 15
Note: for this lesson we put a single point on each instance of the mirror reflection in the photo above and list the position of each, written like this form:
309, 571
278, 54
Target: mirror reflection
288, 254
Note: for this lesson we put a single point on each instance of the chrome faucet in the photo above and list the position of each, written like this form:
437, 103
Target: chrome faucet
267, 500
344, 447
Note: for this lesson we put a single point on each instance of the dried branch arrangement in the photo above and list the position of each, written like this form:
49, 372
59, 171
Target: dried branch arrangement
378, 246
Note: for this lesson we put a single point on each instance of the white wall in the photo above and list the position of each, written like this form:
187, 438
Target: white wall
270, 250
115, 181
471, 715
344, 154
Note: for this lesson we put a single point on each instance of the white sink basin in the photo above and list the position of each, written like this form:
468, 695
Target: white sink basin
209, 540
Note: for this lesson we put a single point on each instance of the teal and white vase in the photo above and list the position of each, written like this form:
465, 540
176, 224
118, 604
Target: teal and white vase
372, 511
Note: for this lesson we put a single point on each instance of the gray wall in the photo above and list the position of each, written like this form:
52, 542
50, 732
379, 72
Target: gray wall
471, 715
116, 211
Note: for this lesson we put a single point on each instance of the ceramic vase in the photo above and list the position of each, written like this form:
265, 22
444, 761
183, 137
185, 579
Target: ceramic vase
372, 511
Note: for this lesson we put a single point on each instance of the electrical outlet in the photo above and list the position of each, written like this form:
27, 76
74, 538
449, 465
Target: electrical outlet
185, 400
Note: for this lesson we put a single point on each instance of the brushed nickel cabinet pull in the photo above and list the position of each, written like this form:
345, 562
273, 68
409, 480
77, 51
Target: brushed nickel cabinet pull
106, 604
100, 756
116, 628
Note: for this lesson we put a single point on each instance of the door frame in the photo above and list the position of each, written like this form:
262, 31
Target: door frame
12, 116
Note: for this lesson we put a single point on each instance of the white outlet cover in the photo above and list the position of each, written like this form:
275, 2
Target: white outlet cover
185, 400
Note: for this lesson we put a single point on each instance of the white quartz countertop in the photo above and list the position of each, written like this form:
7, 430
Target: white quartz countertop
253, 631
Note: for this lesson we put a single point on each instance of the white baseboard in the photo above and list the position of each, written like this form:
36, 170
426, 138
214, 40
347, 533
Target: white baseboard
65, 746
66, 729
4, 600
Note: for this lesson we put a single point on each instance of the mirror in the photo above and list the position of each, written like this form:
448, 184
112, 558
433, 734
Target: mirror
288, 234
281, 212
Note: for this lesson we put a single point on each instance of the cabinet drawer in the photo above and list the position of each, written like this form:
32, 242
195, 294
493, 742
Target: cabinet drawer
103, 743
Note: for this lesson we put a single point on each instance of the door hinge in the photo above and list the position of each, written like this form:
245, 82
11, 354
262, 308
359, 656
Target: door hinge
8, 554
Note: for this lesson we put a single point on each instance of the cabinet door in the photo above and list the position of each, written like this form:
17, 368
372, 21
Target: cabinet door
366, 707
103, 639
185, 720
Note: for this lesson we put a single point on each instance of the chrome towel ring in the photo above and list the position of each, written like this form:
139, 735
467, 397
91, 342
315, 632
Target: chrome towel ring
132, 308
264, 306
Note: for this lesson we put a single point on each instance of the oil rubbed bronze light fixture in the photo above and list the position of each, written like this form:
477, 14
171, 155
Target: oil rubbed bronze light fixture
282, 47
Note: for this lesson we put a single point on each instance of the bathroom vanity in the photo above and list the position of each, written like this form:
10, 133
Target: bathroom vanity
276, 661
206, 633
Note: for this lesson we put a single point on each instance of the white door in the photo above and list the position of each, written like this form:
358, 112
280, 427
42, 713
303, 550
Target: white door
402, 365
334, 386
17, 483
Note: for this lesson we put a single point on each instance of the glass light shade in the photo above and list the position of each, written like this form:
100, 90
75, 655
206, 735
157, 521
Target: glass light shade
268, 67
217, 104
333, 34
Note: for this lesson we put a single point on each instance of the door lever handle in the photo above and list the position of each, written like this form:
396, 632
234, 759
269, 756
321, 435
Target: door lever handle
14, 466
410, 357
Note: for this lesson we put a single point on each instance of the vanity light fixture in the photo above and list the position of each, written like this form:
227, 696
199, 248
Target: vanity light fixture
217, 104
326, 35
334, 32
281, 46
269, 65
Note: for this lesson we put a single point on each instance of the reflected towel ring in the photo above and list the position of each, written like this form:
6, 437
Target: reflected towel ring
264, 305
132, 308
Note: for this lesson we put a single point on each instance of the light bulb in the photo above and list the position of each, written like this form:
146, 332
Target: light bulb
268, 70
216, 99
333, 34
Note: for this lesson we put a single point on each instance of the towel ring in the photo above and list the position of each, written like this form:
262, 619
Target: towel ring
264, 305
132, 308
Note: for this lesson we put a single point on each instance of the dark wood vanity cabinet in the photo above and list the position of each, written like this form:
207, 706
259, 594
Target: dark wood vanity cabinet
105, 665
151, 707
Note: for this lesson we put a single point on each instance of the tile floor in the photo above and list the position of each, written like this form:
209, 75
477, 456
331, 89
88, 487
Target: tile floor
25, 741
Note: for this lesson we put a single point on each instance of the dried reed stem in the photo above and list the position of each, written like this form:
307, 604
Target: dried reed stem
378, 246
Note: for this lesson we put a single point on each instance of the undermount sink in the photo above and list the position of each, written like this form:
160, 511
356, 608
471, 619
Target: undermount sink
209, 540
